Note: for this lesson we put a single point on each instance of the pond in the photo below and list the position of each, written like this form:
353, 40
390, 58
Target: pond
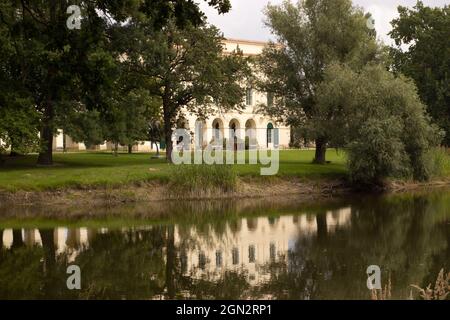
235, 249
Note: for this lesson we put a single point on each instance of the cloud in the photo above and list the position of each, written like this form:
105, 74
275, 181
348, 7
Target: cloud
245, 21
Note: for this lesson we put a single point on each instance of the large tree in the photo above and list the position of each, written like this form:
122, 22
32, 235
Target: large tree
64, 69
187, 69
422, 52
380, 121
311, 35
58, 66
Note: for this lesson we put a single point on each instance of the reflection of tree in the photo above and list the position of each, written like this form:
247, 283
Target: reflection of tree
402, 237
406, 236
170, 262
49, 267
20, 273
17, 238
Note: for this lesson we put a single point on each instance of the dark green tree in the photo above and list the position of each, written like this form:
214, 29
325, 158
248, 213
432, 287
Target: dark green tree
422, 52
187, 70
64, 69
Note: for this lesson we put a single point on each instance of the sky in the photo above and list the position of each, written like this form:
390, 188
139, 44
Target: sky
245, 20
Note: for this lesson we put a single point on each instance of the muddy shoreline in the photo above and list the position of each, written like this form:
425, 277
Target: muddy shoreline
158, 192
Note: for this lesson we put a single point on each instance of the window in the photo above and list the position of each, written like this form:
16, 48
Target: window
201, 260
249, 97
219, 259
217, 132
235, 255
269, 99
251, 254
184, 262
269, 133
273, 251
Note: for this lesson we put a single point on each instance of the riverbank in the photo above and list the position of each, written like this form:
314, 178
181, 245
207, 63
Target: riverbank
154, 192
95, 179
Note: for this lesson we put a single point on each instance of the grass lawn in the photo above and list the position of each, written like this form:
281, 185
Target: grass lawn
95, 169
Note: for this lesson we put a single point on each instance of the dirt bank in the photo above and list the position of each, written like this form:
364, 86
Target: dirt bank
156, 191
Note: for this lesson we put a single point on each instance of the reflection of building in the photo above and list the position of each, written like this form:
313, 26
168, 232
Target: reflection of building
261, 131
69, 241
246, 244
250, 243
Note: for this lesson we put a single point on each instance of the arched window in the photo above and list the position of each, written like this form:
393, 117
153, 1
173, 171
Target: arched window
217, 131
269, 133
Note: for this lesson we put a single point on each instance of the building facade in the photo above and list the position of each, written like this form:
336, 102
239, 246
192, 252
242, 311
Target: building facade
260, 131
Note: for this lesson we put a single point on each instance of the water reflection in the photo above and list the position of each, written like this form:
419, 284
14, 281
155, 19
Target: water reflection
315, 253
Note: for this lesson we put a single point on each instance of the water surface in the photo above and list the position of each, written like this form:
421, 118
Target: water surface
243, 249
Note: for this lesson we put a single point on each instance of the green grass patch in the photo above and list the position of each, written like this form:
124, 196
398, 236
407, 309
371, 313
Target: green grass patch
102, 169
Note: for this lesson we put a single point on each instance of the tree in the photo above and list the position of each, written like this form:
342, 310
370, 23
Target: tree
380, 121
155, 133
55, 64
424, 32
187, 70
130, 110
63, 69
19, 119
311, 35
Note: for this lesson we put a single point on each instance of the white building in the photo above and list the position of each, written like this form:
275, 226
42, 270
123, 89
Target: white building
262, 131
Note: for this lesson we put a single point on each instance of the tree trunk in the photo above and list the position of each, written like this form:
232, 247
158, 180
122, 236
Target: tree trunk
130, 149
64, 143
321, 149
116, 149
157, 149
168, 135
46, 144
13, 152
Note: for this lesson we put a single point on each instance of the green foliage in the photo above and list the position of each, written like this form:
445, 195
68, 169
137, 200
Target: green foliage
381, 121
85, 126
128, 116
424, 31
437, 162
311, 35
66, 74
378, 153
202, 179
186, 69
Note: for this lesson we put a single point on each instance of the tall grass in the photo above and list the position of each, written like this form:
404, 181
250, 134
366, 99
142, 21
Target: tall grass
437, 162
202, 180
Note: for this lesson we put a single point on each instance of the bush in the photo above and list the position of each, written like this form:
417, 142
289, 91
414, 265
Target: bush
381, 121
202, 179
377, 153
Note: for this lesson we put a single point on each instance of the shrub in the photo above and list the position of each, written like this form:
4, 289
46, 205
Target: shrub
380, 120
377, 153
